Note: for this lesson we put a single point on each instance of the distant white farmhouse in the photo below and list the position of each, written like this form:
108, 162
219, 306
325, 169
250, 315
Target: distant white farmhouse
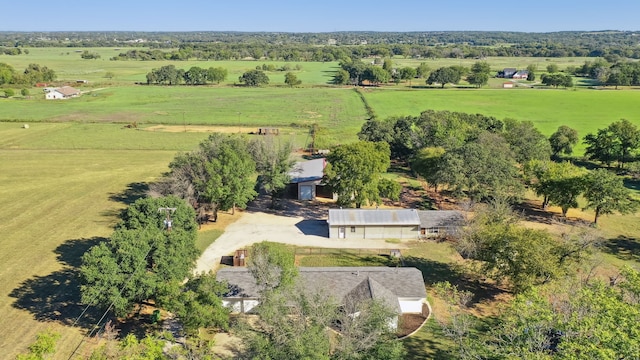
64, 92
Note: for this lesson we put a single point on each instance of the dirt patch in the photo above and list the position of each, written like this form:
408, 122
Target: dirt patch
411, 322
224, 220
121, 117
202, 129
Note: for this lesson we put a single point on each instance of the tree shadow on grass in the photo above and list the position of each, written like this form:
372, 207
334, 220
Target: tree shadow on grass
624, 247
56, 297
133, 192
420, 347
435, 272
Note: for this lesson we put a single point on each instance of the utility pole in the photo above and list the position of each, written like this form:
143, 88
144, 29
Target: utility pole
167, 221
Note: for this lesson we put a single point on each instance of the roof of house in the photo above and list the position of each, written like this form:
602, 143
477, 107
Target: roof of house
523, 72
379, 282
351, 217
309, 170
440, 218
68, 91
369, 289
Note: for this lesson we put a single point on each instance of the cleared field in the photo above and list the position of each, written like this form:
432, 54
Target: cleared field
339, 111
55, 204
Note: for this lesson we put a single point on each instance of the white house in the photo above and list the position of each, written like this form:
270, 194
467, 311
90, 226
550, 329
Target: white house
64, 92
401, 289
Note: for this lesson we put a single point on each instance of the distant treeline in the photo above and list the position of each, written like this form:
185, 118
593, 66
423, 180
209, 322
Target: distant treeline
338, 45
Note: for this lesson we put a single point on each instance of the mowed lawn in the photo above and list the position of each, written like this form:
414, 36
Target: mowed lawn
55, 202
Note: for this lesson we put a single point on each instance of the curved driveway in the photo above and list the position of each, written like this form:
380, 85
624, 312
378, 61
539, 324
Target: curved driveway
258, 226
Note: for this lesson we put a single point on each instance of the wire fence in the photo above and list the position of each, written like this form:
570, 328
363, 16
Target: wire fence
349, 251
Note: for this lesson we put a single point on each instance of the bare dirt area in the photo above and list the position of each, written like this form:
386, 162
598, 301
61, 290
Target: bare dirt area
202, 129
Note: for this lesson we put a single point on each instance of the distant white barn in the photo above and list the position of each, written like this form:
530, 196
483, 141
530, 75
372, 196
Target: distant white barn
65, 92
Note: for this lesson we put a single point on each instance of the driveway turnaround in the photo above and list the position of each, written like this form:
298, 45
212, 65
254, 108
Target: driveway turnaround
253, 227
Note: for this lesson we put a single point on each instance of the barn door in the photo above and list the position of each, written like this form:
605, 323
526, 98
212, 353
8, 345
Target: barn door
341, 232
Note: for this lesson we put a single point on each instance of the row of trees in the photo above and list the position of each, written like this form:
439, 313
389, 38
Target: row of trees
356, 72
31, 75
170, 75
484, 158
221, 173
616, 142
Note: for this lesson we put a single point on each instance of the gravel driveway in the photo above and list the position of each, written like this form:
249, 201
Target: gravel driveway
301, 225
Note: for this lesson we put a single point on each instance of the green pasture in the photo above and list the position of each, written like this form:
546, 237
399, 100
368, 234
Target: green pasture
584, 110
498, 63
69, 66
338, 111
64, 180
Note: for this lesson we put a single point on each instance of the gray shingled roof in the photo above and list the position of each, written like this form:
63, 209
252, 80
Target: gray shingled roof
402, 282
310, 170
440, 218
369, 289
351, 217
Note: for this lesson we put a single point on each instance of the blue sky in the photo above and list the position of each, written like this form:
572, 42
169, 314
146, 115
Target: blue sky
320, 16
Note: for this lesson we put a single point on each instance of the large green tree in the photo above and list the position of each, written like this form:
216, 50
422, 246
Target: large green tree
142, 257
216, 176
527, 142
273, 164
217, 74
563, 140
444, 76
291, 79
254, 78
616, 142
559, 183
198, 303
482, 169
230, 181
195, 76
353, 171
605, 194
479, 74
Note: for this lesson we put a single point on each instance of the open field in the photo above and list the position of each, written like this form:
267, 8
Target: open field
54, 205
64, 180
584, 110
69, 66
338, 111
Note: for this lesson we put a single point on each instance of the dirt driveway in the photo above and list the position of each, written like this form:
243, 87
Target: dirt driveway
301, 224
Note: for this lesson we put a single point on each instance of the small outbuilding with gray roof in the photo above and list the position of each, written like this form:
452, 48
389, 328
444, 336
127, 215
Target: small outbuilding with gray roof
306, 180
401, 224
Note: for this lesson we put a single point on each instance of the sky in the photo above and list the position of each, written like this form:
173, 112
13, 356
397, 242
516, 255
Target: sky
320, 16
